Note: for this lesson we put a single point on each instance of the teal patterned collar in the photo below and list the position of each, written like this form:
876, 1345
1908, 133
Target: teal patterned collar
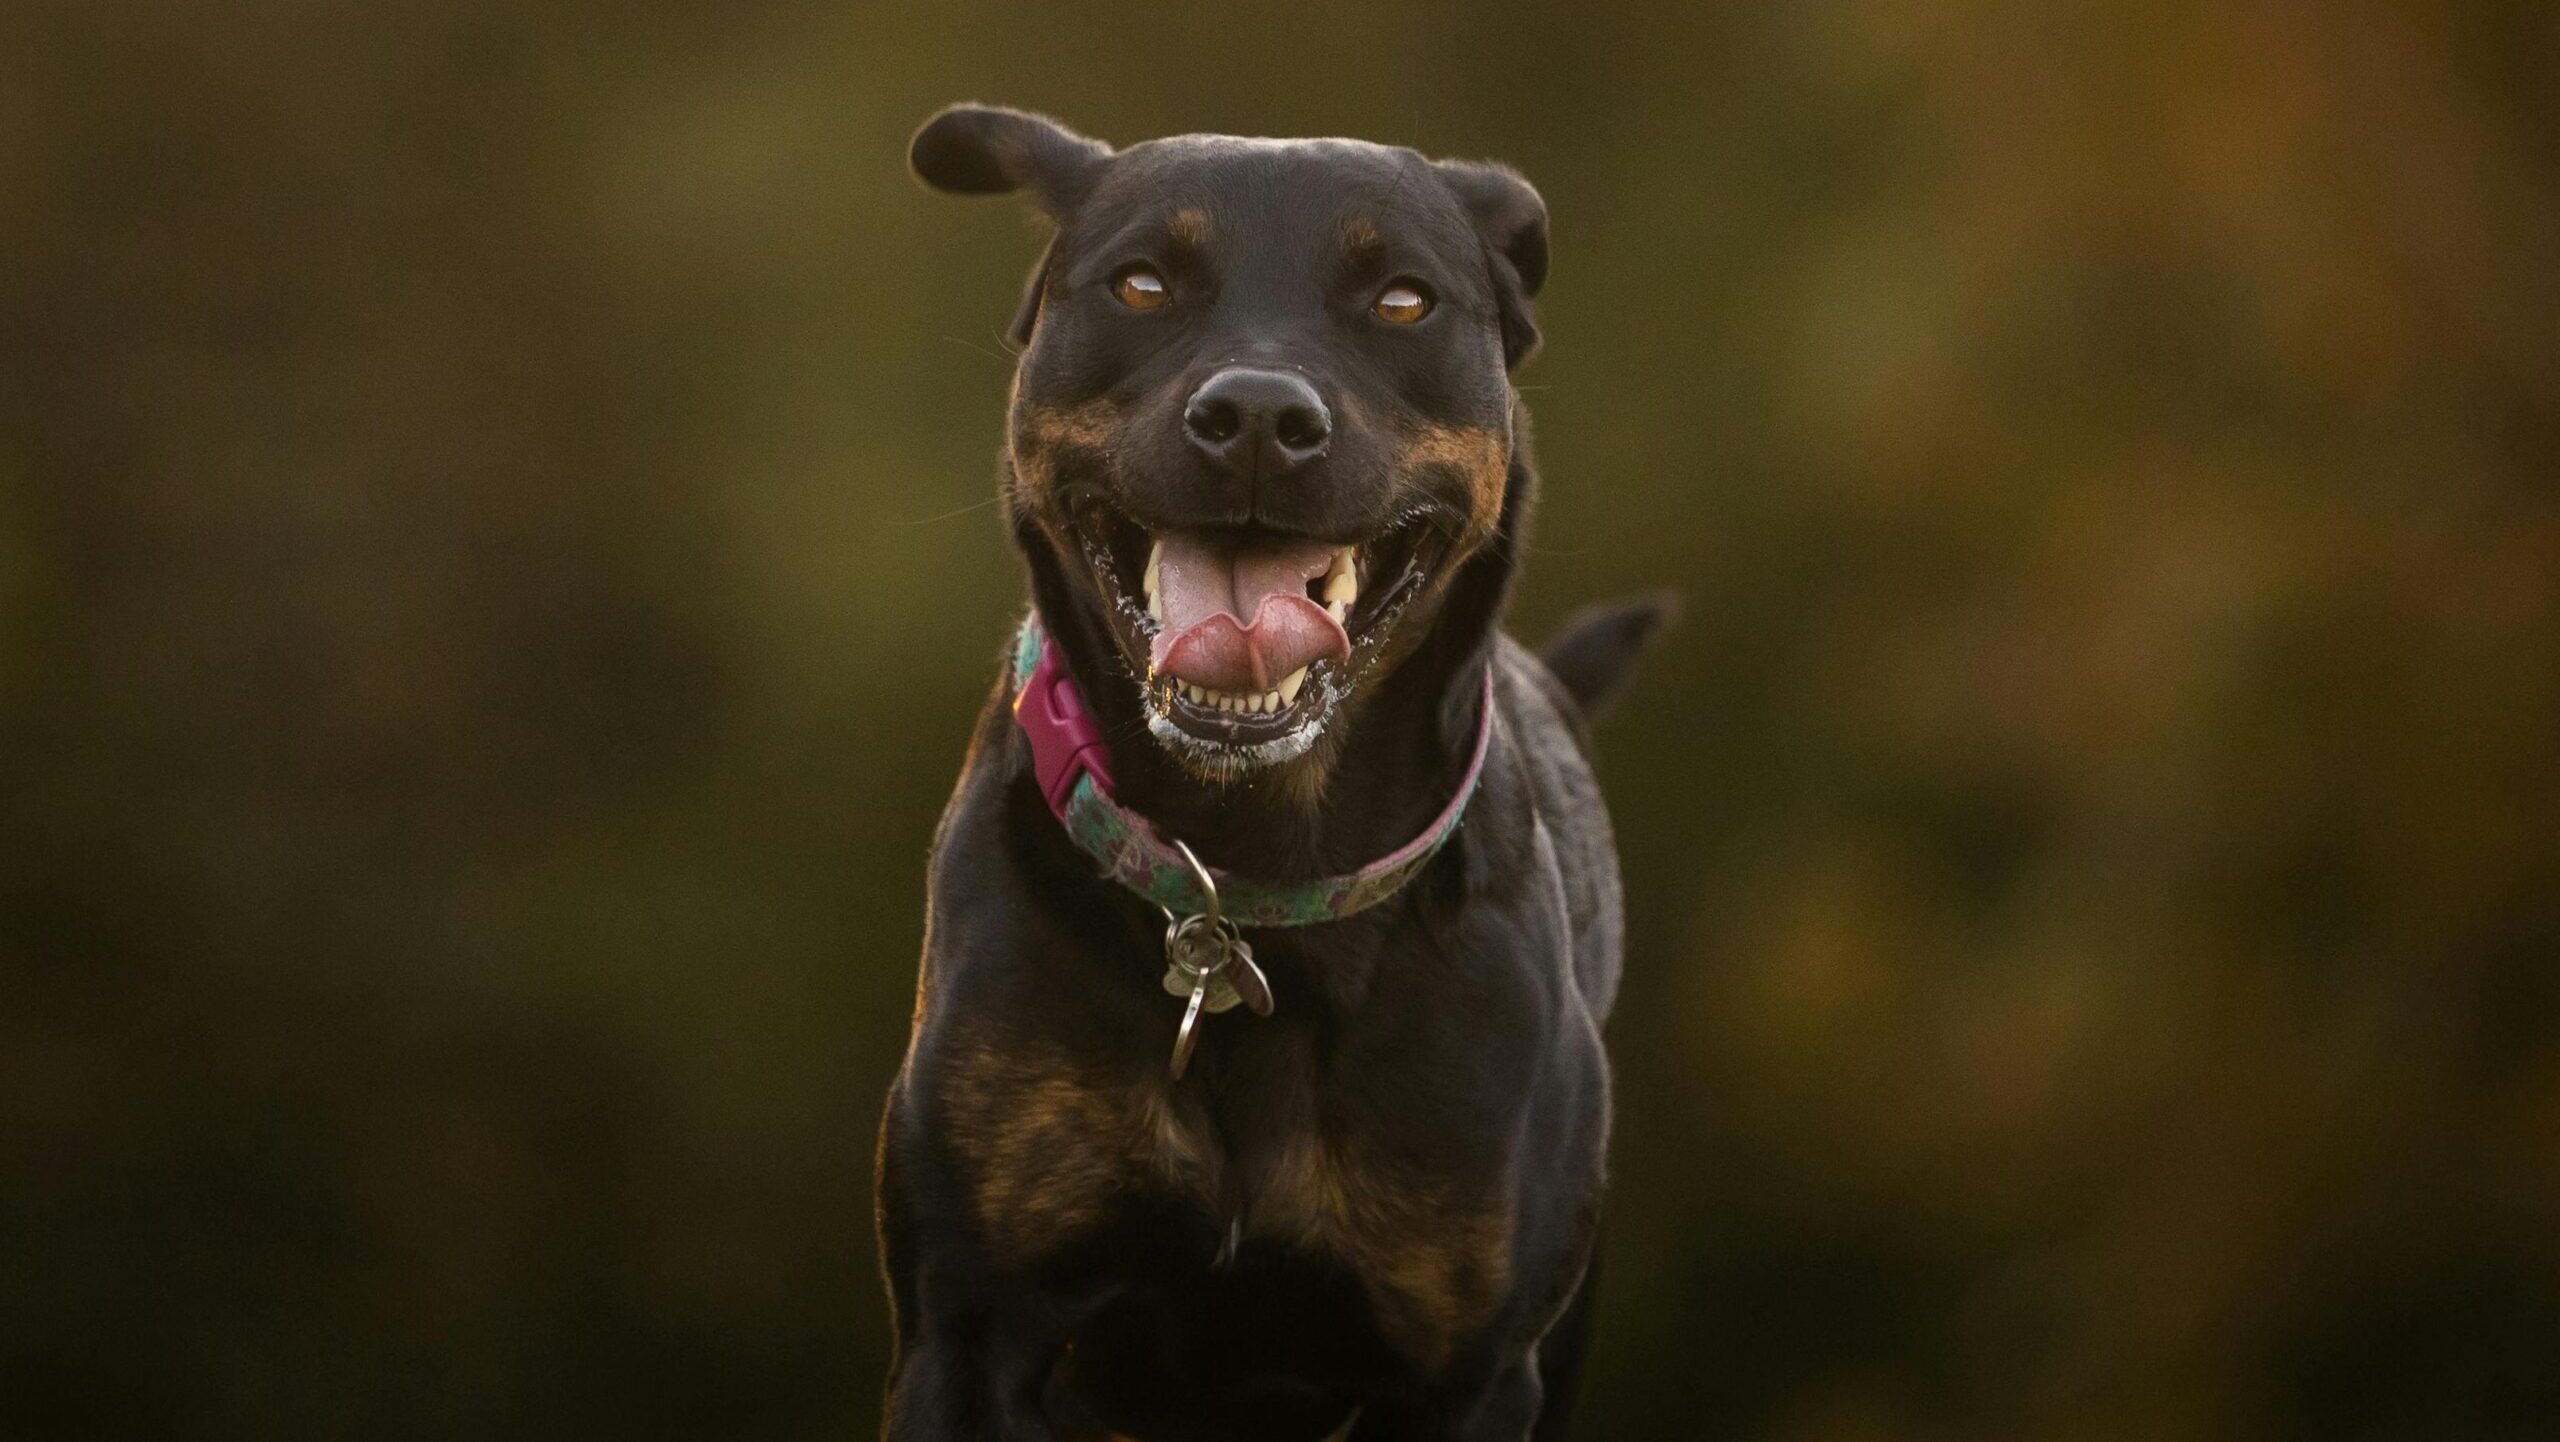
1073, 765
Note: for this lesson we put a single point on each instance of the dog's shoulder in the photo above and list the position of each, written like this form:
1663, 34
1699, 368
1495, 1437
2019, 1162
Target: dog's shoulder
1550, 732
1546, 722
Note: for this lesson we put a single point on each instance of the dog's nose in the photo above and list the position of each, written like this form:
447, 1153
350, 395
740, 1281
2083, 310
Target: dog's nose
1257, 424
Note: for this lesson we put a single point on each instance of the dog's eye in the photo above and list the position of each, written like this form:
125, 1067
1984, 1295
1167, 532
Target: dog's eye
1139, 288
1402, 303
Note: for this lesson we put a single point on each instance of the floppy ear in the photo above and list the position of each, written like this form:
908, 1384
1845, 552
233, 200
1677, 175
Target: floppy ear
1513, 223
990, 150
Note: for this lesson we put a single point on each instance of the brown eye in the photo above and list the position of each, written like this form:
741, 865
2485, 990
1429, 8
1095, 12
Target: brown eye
1139, 288
1401, 304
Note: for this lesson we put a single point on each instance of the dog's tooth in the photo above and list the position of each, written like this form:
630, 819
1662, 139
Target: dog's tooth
1289, 684
1195, 693
1155, 571
1340, 611
1227, 701
1341, 586
1271, 702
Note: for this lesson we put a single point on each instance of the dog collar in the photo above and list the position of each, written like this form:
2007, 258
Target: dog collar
1073, 765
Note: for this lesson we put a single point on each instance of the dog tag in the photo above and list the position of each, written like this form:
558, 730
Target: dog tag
1245, 981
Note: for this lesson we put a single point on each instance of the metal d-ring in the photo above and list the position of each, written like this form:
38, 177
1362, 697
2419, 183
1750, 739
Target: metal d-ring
1178, 948
1199, 878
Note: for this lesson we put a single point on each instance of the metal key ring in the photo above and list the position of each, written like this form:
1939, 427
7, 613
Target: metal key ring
1179, 942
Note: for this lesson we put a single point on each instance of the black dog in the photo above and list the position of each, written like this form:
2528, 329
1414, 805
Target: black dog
1270, 477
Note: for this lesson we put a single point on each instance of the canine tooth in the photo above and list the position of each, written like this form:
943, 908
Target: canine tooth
1155, 570
1338, 610
1289, 684
1341, 586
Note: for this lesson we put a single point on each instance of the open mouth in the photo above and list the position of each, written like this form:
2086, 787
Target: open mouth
1247, 642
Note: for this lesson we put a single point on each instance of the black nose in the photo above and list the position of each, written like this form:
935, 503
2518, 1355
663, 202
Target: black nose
1257, 424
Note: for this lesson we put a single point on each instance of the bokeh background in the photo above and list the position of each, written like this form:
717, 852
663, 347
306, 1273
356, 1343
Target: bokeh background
495, 573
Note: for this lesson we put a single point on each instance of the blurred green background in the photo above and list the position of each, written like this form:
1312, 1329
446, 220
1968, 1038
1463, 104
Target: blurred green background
494, 583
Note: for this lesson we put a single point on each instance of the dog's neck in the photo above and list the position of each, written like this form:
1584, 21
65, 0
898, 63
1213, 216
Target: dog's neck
1399, 756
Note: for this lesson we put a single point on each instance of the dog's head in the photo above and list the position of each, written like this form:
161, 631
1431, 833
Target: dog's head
1263, 413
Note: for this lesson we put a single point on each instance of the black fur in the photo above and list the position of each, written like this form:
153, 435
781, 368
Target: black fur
1380, 1202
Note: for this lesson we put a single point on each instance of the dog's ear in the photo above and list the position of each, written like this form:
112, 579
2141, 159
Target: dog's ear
1513, 222
990, 150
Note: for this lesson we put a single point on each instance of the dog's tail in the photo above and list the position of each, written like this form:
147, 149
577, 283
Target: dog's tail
1595, 650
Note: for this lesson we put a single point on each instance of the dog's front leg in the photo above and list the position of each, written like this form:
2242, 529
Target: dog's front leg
1499, 1406
968, 1378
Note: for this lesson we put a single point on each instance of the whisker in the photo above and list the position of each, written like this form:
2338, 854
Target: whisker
947, 515
968, 344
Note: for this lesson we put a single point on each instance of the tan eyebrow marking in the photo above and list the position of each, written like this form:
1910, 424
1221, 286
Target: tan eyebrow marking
1189, 226
1360, 236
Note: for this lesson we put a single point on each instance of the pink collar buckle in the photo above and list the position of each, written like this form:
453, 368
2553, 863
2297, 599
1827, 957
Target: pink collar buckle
1065, 742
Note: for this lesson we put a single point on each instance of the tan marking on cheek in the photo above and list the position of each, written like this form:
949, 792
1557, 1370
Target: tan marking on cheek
1435, 1265
1055, 1147
1188, 226
1093, 426
1040, 435
1481, 455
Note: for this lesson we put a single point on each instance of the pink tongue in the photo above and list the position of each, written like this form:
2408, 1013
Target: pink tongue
1241, 620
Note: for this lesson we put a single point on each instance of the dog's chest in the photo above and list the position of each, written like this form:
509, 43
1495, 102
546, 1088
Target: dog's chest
1063, 1150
